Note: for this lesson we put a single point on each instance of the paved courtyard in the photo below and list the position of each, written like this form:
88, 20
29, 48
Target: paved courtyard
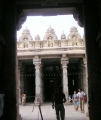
28, 113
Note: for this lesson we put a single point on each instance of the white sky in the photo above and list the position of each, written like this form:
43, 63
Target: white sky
39, 25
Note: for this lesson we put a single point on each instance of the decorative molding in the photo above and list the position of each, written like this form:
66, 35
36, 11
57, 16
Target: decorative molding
51, 49
50, 40
73, 43
53, 43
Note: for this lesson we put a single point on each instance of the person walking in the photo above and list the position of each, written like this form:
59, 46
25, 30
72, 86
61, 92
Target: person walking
75, 101
58, 99
81, 95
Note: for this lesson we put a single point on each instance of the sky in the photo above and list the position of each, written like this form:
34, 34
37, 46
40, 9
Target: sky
39, 25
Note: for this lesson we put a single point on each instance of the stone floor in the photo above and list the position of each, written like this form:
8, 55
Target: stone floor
28, 113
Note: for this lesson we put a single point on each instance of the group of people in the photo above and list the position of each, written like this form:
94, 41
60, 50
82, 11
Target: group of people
59, 98
79, 99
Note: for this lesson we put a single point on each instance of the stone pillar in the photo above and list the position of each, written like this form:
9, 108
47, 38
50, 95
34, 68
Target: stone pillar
64, 62
18, 90
92, 27
84, 76
19, 84
41, 69
85, 82
22, 79
38, 84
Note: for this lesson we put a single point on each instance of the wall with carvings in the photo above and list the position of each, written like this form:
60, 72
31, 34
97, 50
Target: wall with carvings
50, 40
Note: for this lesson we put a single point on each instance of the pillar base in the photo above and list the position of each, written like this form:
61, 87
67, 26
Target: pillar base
38, 100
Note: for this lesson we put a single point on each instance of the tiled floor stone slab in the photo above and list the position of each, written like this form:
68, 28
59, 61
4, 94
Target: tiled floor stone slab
49, 113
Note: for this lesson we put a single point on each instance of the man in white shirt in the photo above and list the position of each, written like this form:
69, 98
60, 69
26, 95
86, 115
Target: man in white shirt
81, 96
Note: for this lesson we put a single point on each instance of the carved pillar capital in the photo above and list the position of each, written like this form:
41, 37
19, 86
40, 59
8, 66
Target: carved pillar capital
84, 62
83, 65
64, 60
37, 65
37, 62
64, 63
36, 59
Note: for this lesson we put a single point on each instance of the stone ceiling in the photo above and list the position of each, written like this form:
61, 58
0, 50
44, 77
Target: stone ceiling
48, 8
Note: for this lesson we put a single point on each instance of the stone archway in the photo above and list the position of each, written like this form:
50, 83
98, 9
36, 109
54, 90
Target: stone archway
72, 11
8, 44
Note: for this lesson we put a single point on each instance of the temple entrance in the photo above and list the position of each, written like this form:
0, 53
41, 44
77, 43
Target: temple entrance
28, 80
51, 77
74, 76
72, 82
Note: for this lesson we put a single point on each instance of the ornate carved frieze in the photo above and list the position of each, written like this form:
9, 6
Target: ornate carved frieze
37, 44
39, 50
64, 43
50, 42
56, 43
